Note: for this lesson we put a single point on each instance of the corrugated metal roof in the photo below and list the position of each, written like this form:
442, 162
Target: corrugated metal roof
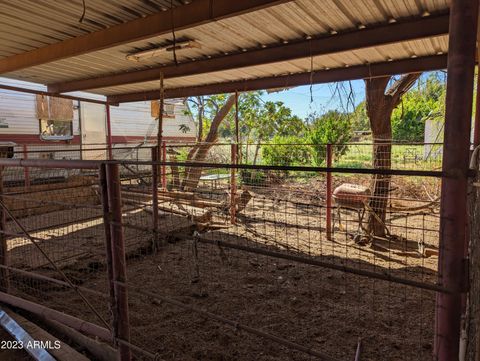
29, 24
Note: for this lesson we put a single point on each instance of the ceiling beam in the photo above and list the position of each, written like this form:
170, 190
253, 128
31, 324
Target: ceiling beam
196, 13
420, 64
377, 36
46, 93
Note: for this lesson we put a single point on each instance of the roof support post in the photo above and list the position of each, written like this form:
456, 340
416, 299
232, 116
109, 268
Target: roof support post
453, 212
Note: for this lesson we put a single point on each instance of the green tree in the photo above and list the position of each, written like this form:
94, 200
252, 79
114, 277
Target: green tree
286, 151
333, 127
275, 120
426, 100
360, 117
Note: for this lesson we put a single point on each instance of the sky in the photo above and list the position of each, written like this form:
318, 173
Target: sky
324, 97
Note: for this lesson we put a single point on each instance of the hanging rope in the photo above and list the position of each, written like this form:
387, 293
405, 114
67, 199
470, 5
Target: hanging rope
173, 33
83, 13
311, 72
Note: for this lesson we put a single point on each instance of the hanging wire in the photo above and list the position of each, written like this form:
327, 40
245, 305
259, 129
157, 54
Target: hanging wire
311, 72
173, 34
83, 13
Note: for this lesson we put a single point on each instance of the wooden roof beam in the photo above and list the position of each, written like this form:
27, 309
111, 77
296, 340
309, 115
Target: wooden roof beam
420, 64
376, 36
196, 13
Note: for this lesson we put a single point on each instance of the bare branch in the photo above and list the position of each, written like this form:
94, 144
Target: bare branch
401, 86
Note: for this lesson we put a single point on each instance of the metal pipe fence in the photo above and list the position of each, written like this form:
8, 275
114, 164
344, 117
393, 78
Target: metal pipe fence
187, 258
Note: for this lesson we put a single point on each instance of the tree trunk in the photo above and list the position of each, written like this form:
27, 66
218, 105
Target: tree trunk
200, 151
257, 148
200, 119
380, 105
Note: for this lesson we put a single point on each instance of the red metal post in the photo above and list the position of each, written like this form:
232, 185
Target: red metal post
164, 167
329, 192
237, 128
476, 127
121, 321
108, 236
453, 212
26, 170
155, 193
109, 132
233, 184
4, 259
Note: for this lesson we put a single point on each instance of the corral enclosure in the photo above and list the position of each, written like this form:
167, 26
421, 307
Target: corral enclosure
338, 255
240, 267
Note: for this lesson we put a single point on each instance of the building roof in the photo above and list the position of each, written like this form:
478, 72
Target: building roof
239, 42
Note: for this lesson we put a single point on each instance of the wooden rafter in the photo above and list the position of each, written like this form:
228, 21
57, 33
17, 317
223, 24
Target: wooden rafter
435, 62
376, 36
196, 13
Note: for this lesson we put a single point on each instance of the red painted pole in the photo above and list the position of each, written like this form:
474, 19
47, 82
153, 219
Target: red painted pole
476, 127
233, 184
108, 236
109, 132
121, 320
329, 192
164, 167
453, 211
237, 128
4, 257
26, 170
155, 193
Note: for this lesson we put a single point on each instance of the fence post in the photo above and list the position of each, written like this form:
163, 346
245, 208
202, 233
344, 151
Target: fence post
233, 184
26, 170
329, 192
452, 273
4, 274
164, 167
109, 132
155, 193
108, 236
121, 321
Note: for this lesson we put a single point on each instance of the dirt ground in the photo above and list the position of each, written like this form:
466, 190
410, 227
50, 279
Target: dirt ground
324, 310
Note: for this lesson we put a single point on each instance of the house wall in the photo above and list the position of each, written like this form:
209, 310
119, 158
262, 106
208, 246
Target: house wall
131, 123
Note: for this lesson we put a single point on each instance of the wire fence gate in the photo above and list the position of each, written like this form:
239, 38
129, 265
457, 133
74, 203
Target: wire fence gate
222, 259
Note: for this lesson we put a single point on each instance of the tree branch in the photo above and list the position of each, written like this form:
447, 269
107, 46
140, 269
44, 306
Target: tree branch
401, 86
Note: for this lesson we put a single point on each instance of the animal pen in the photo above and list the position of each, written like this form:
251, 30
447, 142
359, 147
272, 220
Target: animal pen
264, 261
148, 254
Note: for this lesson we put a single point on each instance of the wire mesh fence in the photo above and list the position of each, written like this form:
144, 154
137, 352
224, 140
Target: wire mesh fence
54, 237
226, 259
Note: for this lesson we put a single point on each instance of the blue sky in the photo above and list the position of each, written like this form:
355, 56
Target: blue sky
298, 99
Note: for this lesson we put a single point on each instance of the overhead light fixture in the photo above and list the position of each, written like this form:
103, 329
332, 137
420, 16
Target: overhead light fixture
151, 53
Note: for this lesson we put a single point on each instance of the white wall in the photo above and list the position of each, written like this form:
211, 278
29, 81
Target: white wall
17, 109
135, 119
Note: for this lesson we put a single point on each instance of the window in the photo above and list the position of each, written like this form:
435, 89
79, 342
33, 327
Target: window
168, 109
56, 118
3, 123
56, 129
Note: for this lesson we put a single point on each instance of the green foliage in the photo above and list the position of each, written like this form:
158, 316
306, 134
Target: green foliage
286, 151
253, 177
425, 101
332, 127
360, 118
259, 121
